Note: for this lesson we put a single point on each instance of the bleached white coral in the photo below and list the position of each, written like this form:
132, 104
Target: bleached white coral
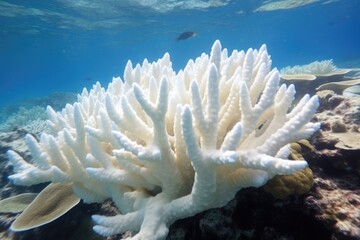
315, 68
28, 118
166, 146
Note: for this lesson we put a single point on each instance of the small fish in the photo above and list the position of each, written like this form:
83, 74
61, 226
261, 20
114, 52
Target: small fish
186, 35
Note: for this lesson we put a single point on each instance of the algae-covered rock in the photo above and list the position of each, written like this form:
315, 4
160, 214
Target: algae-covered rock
298, 183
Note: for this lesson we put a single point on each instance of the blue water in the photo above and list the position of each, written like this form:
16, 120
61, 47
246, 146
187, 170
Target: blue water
65, 45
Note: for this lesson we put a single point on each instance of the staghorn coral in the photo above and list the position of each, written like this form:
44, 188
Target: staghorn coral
166, 146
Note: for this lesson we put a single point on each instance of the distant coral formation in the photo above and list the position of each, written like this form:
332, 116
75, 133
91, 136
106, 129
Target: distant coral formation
32, 120
315, 68
320, 75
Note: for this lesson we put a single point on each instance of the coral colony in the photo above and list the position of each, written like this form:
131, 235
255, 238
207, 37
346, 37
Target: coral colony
165, 146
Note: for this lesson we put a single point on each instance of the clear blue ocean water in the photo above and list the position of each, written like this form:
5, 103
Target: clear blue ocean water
65, 45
